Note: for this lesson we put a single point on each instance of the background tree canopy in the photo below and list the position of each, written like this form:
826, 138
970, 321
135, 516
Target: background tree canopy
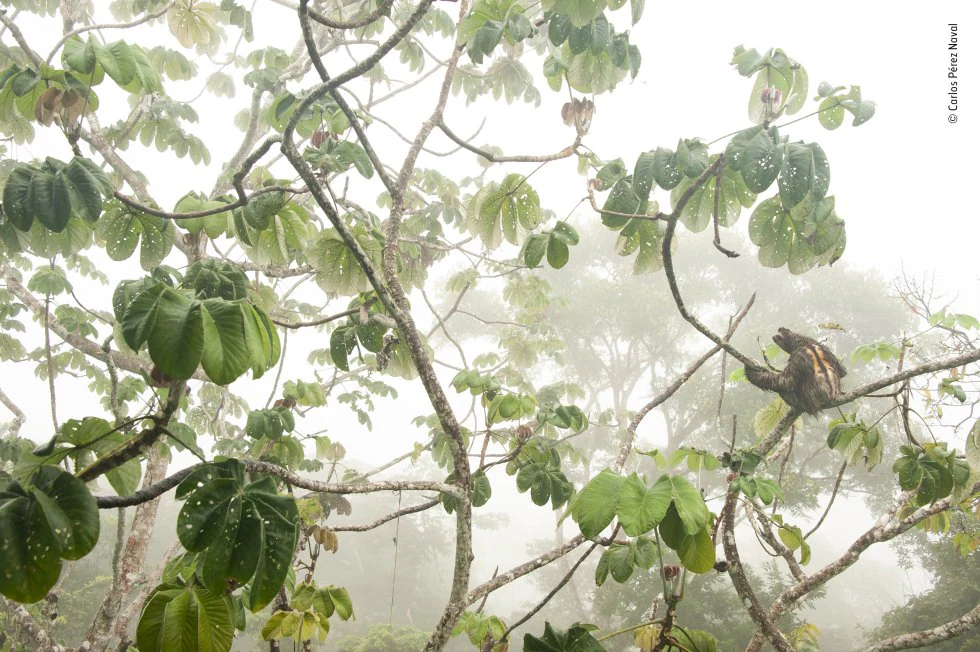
537, 342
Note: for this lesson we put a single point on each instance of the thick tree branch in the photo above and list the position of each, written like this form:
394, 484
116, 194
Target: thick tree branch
926, 637
42, 640
138, 444
437, 397
882, 531
911, 372
740, 581
90, 348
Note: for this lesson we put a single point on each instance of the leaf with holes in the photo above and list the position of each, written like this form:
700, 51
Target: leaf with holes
246, 531
50, 517
122, 229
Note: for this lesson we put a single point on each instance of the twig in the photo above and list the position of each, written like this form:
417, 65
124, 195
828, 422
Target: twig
19, 418
674, 386
494, 158
421, 507
540, 605
830, 503
87, 28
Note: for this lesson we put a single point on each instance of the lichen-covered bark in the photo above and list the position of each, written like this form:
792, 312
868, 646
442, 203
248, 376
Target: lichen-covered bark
108, 623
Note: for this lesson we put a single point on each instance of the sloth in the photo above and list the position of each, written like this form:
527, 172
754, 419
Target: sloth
811, 378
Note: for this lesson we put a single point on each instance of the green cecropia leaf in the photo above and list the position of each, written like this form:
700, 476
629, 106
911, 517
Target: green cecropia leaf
50, 517
246, 531
53, 192
225, 337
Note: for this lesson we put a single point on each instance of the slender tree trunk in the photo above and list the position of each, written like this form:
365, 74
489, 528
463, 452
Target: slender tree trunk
108, 623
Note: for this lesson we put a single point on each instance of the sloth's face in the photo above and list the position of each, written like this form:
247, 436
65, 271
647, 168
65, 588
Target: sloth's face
784, 339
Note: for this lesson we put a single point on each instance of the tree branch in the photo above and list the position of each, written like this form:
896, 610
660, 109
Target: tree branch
356, 70
92, 349
19, 418
676, 385
19, 37
421, 507
523, 569
926, 637
668, 261
740, 581
138, 444
494, 158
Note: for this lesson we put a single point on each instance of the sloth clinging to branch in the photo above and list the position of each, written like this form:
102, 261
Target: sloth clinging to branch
811, 378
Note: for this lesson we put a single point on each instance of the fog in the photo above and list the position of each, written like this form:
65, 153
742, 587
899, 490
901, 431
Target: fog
903, 183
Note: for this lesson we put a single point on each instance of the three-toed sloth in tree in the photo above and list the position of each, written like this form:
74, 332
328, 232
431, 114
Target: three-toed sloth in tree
811, 378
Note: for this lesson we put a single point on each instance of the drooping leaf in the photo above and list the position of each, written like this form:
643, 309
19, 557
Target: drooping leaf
50, 517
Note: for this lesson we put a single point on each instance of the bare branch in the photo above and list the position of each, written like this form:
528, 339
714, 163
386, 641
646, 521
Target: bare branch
882, 531
316, 322
527, 567
674, 386
926, 637
149, 493
558, 587
356, 70
389, 517
668, 261
494, 158
92, 349
19, 37
19, 418
88, 28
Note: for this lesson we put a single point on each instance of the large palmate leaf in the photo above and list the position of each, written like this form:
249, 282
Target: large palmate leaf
338, 271
247, 532
641, 508
122, 229
809, 234
278, 237
50, 517
594, 507
227, 338
178, 618
53, 192
505, 210
216, 279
